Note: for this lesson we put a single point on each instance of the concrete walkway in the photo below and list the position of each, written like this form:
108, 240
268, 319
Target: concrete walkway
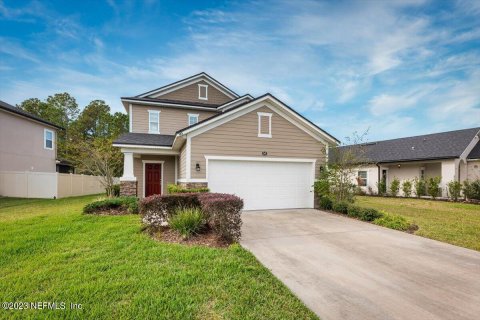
347, 269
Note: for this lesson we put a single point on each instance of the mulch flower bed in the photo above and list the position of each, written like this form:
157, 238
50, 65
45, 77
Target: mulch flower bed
207, 238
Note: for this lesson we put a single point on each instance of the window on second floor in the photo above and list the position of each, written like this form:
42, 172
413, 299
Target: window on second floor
48, 139
192, 119
362, 178
153, 121
203, 92
264, 125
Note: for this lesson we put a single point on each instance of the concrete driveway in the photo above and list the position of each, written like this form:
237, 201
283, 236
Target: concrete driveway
347, 269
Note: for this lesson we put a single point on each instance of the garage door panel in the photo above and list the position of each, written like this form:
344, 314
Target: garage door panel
264, 184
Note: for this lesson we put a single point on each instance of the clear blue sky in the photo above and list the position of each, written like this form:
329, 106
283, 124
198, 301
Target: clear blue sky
397, 67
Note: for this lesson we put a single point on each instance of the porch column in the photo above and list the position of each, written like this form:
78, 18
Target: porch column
128, 182
448, 174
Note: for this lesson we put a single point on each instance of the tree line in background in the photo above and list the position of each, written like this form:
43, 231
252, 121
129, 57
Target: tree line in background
87, 139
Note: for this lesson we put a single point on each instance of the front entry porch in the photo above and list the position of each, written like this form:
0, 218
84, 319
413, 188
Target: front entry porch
147, 174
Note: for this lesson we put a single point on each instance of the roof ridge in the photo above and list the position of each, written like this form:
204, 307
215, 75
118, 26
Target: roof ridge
417, 136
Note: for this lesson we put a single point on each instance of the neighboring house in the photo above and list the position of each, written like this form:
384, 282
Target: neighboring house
27, 142
197, 132
452, 155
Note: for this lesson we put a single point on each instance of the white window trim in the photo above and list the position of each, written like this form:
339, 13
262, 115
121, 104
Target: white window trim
366, 177
260, 134
150, 112
45, 139
206, 91
194, 115
161, 177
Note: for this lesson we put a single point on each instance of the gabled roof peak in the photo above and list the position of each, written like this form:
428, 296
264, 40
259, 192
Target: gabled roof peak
187, 81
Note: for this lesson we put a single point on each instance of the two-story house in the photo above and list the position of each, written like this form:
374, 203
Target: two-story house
198, 132
27, 142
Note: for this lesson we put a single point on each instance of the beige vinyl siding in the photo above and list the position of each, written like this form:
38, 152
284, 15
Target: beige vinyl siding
168, 171
190, 93
171, 119
239, 137
183, 160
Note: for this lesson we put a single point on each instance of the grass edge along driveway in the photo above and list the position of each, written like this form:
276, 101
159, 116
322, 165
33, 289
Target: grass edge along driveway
450, 222
53, 253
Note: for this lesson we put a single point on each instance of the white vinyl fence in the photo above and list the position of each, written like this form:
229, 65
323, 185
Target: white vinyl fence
51, 185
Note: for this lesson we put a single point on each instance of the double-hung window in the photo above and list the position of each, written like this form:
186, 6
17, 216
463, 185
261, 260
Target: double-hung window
153, 121
362, 178
192, 119
48, 136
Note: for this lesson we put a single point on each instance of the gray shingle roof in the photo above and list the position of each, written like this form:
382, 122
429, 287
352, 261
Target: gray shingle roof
441, 145
475, 153
187, 103
145, 139
13, 109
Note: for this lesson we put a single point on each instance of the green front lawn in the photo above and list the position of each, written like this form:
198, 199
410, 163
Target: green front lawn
455, 223
51, 252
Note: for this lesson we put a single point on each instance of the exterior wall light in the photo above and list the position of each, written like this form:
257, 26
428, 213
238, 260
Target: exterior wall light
197, 166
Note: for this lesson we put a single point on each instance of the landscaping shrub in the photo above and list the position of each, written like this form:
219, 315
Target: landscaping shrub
354, 211
157, 209
322, 186
407, 188
340, 207
393, 222
394, 187
129, 204
222, 212
382, 187
370, 214
471, 190
187, 221
365, 214
419, 187
433, 187
454, 190
325, 203
175, 188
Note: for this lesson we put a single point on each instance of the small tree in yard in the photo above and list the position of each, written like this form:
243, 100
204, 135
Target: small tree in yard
419, 187
454, 190
407, 188
394, 187
336, 181
433, 186
99, 157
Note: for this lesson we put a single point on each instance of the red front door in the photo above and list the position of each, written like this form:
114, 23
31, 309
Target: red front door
153, 179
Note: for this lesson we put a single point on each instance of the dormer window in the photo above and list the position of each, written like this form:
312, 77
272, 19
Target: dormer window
264, 125
192, 119
153, 121
203, 92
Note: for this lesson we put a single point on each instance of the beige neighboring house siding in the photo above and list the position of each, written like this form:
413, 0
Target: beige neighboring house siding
239, 137
171, 119
190, 93
22, 145
168, 171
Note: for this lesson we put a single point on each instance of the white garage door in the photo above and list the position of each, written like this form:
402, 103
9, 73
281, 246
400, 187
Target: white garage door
264, 184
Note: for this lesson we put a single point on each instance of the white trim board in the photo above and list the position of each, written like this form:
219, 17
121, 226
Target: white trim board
260, 115
162, 162
200, 86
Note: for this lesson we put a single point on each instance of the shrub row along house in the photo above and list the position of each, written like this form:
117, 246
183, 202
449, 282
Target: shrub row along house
451, 156
196, 132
